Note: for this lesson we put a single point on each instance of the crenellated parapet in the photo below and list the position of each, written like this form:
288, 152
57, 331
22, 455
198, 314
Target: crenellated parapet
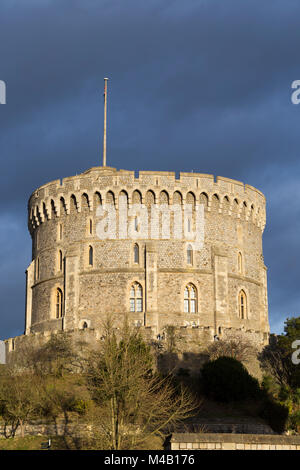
98, 184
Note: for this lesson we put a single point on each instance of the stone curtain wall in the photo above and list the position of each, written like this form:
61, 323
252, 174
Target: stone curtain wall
191, 442
59, 428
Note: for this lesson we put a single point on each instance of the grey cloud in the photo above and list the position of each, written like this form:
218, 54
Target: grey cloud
201, 85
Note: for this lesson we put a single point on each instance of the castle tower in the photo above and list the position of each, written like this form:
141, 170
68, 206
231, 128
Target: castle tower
87, 264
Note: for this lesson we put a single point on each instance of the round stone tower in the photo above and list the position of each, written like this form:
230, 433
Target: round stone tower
161, 249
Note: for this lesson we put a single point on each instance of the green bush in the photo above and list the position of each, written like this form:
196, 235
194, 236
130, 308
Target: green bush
275, 414
79, 406
270, 386
226, 380
294, 421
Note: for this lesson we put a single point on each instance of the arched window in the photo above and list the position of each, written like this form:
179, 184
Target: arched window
91, 256
37, 269
60, 260
242, 305
73, 204
190, 299
240, 263
136, 253
136, 298
85, 325
189, 254
60, 232
59, 303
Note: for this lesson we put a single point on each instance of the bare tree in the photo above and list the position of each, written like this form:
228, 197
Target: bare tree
133, 403
276, 360
19, 399
39, 384
57, 356
234, 344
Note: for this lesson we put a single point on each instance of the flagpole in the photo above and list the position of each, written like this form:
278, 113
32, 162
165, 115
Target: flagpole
105, 121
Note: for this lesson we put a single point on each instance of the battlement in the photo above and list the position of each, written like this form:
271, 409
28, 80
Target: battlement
103, 180
189, 333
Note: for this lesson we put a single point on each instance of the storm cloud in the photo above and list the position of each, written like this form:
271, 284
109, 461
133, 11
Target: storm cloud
201, 85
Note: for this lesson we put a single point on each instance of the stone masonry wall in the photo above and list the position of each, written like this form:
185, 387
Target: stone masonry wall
62, 222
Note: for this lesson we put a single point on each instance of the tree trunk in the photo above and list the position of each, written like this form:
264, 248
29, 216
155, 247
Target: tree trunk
22, 428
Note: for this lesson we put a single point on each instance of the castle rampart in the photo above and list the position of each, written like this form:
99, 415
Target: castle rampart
76, 278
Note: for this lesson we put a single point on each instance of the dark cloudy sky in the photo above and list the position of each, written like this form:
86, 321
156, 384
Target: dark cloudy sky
194, 84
